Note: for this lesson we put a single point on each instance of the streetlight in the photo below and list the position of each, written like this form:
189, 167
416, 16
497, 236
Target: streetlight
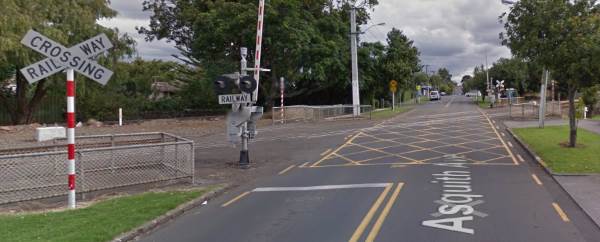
354, 53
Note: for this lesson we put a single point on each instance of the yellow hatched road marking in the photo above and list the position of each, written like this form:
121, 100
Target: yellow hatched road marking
235, 199
286, 169
325, 152
336, 150
560, 212
367, 219
383, 214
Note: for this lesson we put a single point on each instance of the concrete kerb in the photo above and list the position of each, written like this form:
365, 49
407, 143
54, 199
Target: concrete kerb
550, 172
170, 215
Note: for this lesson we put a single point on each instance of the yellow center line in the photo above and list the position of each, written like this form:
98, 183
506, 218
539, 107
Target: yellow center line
501, 140
235, 199
325, 152
383, 214
286, 169
560, 212
536, 179
367, 219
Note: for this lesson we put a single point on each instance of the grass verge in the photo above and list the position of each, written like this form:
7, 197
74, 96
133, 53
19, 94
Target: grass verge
99, 222
388, 113
547, 144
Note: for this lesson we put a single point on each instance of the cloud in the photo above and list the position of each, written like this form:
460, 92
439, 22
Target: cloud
130, 16
456, 34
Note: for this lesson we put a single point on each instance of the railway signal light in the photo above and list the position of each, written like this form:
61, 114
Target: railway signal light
229, 83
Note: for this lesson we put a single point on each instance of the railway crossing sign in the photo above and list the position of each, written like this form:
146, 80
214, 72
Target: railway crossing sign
76, 58
393, 86
60, 57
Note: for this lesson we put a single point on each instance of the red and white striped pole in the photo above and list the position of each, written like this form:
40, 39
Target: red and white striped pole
259, 31
71, 134
282, 87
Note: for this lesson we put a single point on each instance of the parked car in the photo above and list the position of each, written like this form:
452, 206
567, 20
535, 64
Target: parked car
434, 95
442, 94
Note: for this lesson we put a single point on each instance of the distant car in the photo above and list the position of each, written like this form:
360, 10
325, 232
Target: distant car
434, 95
442, 94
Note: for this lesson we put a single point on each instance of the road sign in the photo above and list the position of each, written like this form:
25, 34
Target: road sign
73, 59
393, 86
234, 98
418, 87
60, 57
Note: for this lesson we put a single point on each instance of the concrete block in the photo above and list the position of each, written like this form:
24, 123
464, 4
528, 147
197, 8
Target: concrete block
49, 133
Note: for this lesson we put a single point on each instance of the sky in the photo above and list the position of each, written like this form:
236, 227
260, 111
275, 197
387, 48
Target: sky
455, 34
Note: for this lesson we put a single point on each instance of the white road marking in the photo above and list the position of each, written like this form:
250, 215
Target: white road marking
520, 158
509, 144
316, 188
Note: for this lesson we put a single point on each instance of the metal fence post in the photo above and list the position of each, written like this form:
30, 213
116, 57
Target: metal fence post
83, 180
112, 154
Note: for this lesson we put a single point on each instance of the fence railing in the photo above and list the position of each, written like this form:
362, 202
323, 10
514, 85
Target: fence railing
102, 162
531, 110
304, 113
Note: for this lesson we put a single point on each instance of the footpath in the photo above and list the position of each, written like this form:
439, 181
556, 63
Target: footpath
585, 188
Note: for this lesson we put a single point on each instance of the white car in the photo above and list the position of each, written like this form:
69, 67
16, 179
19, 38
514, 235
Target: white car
434, 95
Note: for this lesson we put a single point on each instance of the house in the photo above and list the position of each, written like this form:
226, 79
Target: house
164, 89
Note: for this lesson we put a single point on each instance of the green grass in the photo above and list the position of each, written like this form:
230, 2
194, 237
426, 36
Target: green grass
596, 117
388, 113
547, 144
99, 222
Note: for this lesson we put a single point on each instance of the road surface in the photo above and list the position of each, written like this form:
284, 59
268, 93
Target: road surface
444, 172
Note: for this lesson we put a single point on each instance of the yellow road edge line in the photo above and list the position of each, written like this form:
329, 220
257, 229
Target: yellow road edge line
235, 199
560, 212
383, 214
336, 150
325, 152
286, 169
367, 219
501, 140
537, 180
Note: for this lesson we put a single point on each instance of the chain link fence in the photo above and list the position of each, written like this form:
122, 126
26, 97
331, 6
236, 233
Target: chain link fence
102, 162
304, 113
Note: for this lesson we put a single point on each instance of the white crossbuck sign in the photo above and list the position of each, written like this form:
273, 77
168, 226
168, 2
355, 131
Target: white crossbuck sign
60, 57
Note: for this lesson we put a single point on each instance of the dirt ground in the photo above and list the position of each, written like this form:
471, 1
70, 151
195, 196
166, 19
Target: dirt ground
192, 128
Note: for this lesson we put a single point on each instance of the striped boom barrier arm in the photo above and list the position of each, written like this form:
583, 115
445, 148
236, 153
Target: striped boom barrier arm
259, 32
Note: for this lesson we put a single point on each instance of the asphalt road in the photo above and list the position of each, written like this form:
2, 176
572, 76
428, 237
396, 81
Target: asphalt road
443, 172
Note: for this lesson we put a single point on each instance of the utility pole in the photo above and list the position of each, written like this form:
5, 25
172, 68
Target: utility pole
353, 49
487, 77
542, 109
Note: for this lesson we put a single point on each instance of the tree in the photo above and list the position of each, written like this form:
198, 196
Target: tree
477, 82
514, 74
306, 42
47, 17
568, 45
